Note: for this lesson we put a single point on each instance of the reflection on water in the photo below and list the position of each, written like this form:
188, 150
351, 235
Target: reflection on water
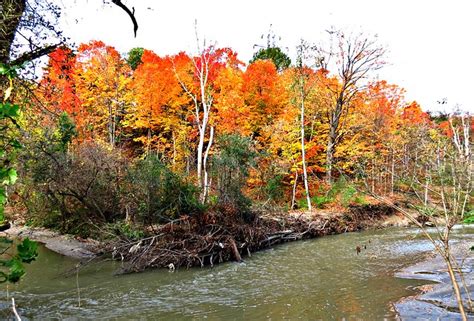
317, 279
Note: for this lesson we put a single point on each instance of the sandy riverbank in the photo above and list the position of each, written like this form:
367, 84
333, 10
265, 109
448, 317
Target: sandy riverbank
63, 244
437, 301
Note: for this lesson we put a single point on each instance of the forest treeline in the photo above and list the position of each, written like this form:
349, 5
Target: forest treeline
144, 138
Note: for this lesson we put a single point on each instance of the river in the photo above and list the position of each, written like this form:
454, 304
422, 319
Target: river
323, 278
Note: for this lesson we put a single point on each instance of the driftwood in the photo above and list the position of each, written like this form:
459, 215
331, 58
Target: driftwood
235, 250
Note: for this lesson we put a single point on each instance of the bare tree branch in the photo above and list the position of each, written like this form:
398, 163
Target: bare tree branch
131, 13
31, 55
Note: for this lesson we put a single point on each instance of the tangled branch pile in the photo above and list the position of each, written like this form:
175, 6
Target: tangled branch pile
217, 237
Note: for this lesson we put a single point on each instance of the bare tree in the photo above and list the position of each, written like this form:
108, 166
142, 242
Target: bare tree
302, 73
353, 57
203, 100
442, 184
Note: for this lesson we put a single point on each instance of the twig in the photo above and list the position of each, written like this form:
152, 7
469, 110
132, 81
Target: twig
78, 288
15, 312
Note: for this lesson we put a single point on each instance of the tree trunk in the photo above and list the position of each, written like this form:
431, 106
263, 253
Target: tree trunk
293, 194
303, 154
200, 151
10, 14
174, 149
330, 155
392, 177
206, 183
332, 138
427, 185
148, 141
111, 126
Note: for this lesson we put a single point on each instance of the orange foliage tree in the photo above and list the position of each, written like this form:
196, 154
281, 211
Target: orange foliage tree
158, 116
102, 79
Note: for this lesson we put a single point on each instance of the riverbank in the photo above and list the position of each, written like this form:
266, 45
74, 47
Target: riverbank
66, 245
215, 237
437, 300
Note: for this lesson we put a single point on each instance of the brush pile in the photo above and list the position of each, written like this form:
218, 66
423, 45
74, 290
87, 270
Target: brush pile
224, 235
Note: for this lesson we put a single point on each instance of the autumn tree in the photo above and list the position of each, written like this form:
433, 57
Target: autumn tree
232, 114
101, 80
439, 178
375, 129
352, 57
264, 95
56, 92
204, 68
159, 113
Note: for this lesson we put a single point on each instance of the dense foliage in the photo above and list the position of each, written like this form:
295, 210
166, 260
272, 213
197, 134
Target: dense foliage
145, 139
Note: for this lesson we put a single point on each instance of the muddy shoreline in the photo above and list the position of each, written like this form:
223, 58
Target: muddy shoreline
436, 300
66, 245
233, 245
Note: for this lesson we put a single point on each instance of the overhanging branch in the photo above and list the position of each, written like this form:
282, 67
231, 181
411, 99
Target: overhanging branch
130, 13
31, 55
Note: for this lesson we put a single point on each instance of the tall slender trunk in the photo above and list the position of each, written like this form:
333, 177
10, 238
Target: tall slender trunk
330, 155
332, 140
111, 126
392, 176
200, 150
188, 165
303, 153
427, 185
202, 103
206, 183
293, 194
174, 149
148, 141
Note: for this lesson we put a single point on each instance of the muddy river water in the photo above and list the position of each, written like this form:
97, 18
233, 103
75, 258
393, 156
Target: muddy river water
323, 278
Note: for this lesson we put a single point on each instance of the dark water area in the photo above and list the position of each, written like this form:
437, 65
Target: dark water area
322, 278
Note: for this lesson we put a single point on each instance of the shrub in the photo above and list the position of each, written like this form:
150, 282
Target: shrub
321, 200
274, 188
75, 189
341, 191
231, 169
155, 194
122, 229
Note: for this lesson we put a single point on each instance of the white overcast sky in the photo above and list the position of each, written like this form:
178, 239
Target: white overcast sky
430, 43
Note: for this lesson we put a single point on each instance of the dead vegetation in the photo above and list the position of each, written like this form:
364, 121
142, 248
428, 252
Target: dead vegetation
217, 237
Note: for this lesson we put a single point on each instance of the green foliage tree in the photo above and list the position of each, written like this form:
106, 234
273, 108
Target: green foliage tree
231, 166
155, 194
11, 267
134, 58
275, 54
9, 145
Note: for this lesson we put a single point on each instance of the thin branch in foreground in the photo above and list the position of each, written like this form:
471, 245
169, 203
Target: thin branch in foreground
15, 312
